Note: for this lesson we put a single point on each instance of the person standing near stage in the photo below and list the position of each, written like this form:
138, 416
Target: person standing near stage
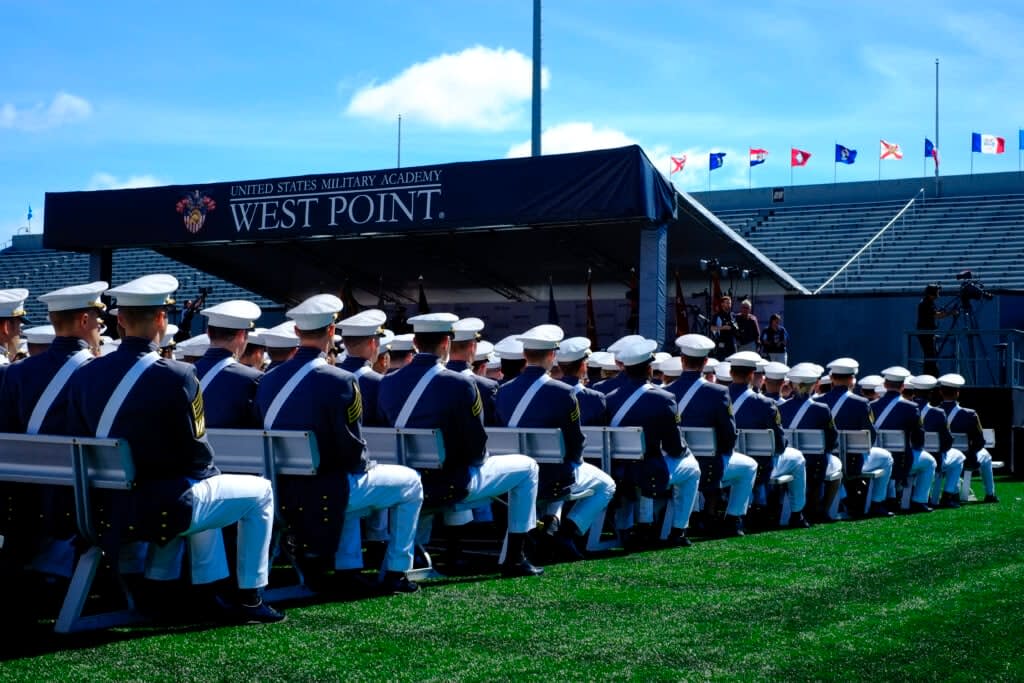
927, 314
748, 331
723, 329
775, 340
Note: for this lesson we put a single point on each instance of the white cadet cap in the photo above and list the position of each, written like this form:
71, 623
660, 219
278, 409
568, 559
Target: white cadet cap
12, 303
75, 297
825, 380
280, 336
660, 356
541, 338
744, 359
316, 312
368, 323
493, 362
433, 322
168, 338
671, 366
484, 349
805, 373
572, 349
722, 370
910, 383
256, 337
844, 366
776, 370
622, 341
509, 348
709, 366
870, 382
695, 345
386, 337
195, 347
233, 315
602, 359
467, 329
925, 382
146, 291
636, 352
952, 380
42, 334
402, 342
760, 367
896, 374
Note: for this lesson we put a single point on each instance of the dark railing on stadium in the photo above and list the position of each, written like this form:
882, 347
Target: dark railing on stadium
985, 357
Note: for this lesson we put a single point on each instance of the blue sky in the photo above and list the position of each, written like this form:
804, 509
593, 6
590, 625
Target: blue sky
121, 94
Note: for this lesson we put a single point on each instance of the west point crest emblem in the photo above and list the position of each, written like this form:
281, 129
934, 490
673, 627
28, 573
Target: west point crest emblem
193, 208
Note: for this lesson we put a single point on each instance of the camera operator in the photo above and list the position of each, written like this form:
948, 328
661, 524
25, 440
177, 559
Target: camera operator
927, 314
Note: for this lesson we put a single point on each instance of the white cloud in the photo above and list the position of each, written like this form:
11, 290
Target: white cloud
63, 109
575, 136
107, 181
479, 88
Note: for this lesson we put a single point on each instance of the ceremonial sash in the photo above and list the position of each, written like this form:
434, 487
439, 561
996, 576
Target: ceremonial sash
288, 388
740, 400
839, 403
633, 398
690, 393
798, 418
214, 371
121, 393
75, 361
527, 397
417, 391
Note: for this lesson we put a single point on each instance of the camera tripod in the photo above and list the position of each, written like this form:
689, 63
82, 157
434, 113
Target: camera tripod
971, 358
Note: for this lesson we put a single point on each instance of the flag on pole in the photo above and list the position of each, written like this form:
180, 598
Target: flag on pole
716, 160
682, 321
30, 206
678, 163
889, 150
552, 308
758, 156
1020, 134
424, 307
591, 318
931, 151
987, 144
798, 157
845, 155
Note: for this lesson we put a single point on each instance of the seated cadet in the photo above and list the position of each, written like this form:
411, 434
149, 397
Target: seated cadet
600, 366
192, 348
851, 412
723, 373
362, 334
700, 403
708, 371
572, 358
754, 411
282, 343
12, 311
534, 399
38, 339
33, 400
424, 394
757, 379
463, 353
869, 386
966, 421
483, 353
156, 406
613, 382
255, 350
671, 368
950, 461
229, 388
774, 377
510, 353
306, 393
800, 412
167, 344
401, 352
668, 465
897, 413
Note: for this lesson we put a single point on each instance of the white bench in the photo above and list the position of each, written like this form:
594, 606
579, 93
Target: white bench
84, 465
960, 441
760, 443
858, 441
609, 445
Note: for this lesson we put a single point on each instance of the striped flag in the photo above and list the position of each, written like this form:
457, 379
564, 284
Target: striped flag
889, 150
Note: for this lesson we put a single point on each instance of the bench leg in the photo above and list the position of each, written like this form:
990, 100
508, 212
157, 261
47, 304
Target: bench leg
965, 486
423, 573
594, 542
787, 507
908, 490
70, 618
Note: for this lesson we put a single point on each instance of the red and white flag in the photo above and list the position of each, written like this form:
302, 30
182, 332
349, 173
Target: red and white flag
798, 157
889, 150
677, 164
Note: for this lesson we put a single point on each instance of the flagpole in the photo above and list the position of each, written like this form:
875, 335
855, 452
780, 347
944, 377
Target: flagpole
750, 173
399, 163
879, 167
791, 165
835, 165
937, 123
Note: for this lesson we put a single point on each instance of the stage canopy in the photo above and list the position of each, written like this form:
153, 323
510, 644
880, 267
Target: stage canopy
503, 226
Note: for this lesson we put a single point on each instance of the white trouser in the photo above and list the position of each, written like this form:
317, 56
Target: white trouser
514, 474
985, 466
683, 479
385, 487
952, 468
921, 476
217, 502
377, 525
879, 459
585, 510
791, 461
740, 473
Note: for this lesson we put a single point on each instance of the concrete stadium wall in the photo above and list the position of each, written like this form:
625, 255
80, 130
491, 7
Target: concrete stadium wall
865, 191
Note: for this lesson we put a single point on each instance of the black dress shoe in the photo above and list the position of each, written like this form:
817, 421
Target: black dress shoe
520, 568
677, 539
351, 583
732, 526
398, 582
920, 507
259, 614
992, 498
798, 521
949, 500
880, 510
564, 549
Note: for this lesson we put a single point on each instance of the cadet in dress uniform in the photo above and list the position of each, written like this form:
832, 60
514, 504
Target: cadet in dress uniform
282, 343
306, 393
671, 368
703, 404
463, 353
933, 419
229, 388
892, 411
610, 384
167, 344
966, 421
774, 377
668, 465
510, 352
851, 412
155, 404
382, 363
534, 399
33, 400
38, 339
756, 412
361, 334
425, 394
12, 311
723, 373
572, 358
402, 351
255, 350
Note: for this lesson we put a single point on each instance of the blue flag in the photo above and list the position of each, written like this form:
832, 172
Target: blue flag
29, 212
1020, 133
716, 160
929, 149
845, 155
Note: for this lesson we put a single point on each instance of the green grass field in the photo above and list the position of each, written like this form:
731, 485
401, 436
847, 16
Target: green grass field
926, 597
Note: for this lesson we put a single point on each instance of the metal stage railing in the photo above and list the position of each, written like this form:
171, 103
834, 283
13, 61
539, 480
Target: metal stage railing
985, 357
